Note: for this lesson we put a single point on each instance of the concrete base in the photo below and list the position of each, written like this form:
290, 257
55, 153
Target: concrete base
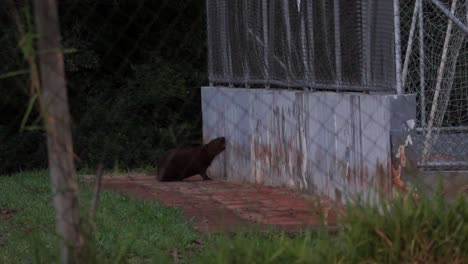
337, 144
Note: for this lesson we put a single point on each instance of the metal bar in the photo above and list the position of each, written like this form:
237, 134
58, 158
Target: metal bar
409, 47
287, 22
266, 41
246, 56
311, 38
325, 29
305, 51
228, 38
271, 36
396, 21
457, 128
304, 85
441, 164
273, 57
422, 67
366, 10
440, 73
336, 16
210, 39
223, 34
451, 16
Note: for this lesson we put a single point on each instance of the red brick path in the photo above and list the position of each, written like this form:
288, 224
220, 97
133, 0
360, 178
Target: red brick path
222, 206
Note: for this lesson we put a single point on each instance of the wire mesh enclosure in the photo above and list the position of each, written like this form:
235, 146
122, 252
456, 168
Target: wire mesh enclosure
120, 87
350, 46
338, 45
435, 55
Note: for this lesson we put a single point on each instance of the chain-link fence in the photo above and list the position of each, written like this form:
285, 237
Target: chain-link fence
114, 51
434, 67
328, 45
133, 72
338, 144
307, 45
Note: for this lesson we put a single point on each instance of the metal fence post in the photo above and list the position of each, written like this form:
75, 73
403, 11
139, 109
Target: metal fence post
337, 22
396, 20
422, 69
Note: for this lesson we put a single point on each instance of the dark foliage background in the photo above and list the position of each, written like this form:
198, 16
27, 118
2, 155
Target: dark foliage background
133, 80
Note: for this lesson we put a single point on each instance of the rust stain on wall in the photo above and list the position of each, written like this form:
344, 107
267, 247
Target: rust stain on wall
399, 162
334, 143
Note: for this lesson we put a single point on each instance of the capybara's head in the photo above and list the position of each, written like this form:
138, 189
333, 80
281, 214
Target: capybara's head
216, 146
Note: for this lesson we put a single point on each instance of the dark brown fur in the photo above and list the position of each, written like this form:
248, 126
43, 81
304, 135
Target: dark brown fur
179, 164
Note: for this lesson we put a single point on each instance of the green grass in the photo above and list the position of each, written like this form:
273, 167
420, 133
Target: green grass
402, 231
127, 228
133, 231
270, 248
87, 170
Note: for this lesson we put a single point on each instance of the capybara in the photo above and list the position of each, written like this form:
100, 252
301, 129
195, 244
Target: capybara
180, 163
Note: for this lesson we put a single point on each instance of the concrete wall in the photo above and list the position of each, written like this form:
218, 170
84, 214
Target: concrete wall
337, 144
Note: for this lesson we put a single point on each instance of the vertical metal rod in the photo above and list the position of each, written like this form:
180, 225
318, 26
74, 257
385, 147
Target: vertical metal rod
246, 56
228, 43
366, 10
311, 38
438, 87
396, 21
287, 21
422, 68
224, 39
409, 47
266, 41
336, 16
466, 14
305, 51
210, 40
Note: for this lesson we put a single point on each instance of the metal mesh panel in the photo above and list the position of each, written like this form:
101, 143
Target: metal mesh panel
435, 68
341, 44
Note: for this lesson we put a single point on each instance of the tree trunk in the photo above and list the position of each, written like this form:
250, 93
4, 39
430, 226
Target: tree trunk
56, 116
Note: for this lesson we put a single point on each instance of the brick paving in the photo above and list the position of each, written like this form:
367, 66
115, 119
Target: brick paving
218, 206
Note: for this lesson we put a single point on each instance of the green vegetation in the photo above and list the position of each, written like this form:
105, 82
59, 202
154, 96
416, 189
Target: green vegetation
404, 232
128, 230
133, 231
133, 82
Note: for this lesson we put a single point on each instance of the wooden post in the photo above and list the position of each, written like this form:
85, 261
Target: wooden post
56, 118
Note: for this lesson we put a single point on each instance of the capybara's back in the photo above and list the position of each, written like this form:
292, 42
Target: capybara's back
178, 164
